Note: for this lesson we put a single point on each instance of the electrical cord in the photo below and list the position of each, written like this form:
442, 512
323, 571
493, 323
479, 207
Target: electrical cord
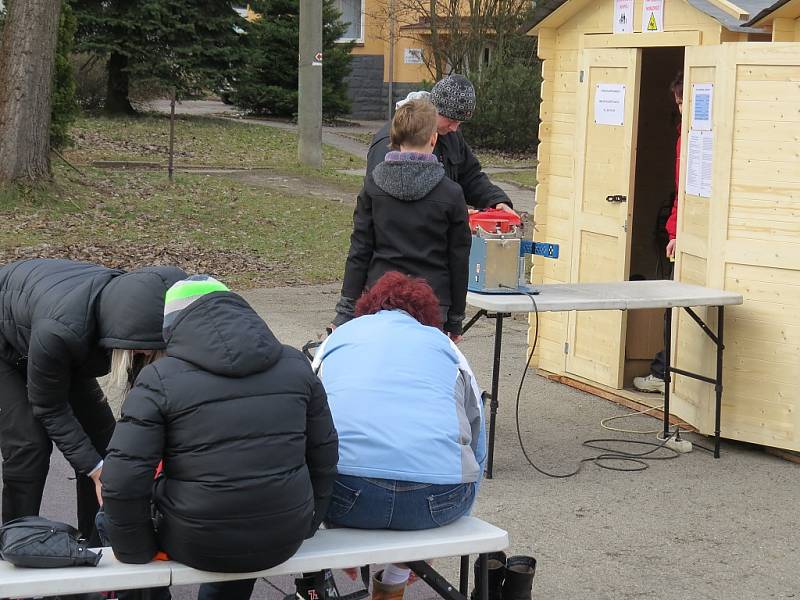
656, 431
694, 444
601, 460
627, 415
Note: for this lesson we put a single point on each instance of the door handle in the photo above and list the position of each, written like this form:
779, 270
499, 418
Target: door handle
616, 198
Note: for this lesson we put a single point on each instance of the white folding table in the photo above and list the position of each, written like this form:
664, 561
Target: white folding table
624, 295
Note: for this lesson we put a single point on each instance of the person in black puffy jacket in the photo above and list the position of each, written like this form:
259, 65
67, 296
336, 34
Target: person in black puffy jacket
248, 444
411, 218
59, 321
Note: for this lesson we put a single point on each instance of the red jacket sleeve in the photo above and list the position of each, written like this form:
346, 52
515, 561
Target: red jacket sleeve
672, 222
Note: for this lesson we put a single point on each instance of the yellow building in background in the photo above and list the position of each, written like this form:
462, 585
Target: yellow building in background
381, 61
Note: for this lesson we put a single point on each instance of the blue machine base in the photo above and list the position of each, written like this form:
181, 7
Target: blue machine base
521, 289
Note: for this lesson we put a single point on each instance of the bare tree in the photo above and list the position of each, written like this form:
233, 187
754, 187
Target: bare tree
455, 31
27, 55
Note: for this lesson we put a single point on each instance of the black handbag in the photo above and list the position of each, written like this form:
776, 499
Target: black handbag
42, 543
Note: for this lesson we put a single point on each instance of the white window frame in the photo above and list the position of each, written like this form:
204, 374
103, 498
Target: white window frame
358, 40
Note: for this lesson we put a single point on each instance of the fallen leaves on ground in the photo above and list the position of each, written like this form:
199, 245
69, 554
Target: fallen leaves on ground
226, 264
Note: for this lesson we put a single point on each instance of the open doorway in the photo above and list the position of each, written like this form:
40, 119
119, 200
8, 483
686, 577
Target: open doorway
654, 185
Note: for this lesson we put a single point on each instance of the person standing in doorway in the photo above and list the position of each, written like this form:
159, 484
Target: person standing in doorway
654, 381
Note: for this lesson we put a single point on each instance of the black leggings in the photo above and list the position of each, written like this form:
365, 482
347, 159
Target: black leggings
26, 447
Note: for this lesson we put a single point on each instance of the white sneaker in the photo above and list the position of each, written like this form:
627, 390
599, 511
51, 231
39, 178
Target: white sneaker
651, 383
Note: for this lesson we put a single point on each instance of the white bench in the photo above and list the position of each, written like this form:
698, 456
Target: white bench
328, 549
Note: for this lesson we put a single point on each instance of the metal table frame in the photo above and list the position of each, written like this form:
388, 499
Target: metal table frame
716, 381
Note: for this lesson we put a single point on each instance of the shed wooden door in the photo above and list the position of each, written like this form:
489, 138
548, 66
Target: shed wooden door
605, 165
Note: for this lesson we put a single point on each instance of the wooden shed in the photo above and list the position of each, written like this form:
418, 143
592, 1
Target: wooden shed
782, 19
608, 132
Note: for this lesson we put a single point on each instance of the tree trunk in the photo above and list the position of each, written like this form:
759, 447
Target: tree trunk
437, 55
117, 88
27, 56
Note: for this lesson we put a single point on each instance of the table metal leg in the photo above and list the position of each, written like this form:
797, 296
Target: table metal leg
438, 584
483, 560
716, 381
463, 584
473, 320
667, 366
718, 384
494, 403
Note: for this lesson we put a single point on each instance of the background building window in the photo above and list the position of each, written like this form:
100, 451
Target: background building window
352, 13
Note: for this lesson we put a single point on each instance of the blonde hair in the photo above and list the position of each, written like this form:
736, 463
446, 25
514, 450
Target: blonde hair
413, 124
121, 363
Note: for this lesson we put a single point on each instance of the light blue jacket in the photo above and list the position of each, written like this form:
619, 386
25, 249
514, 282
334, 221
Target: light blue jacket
404, 401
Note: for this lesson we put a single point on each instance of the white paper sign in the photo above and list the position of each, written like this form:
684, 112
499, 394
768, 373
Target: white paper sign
609, 104
652, 16
413, 56
706, 164
623, 16
702, 103
699, 161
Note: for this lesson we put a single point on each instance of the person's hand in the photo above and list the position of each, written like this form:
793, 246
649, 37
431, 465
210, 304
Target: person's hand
98, 487
455, 337
472, 211
671, 248
506, 207
352, 573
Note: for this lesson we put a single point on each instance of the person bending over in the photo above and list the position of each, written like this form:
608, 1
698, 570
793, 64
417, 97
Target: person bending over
62, 325
454, 99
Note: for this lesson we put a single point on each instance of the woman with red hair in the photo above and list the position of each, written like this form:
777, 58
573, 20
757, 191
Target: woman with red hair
409, 415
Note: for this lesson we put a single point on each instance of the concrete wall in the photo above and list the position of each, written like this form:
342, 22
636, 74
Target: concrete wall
365, 87
368, 91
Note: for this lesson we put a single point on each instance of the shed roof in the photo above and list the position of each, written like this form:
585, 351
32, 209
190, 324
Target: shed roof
545, 8
772, 8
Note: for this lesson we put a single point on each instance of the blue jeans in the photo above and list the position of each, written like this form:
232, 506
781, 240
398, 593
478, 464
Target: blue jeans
366, 503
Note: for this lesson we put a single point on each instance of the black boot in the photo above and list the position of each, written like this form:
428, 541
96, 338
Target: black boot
318, 585
518, 581
497, 565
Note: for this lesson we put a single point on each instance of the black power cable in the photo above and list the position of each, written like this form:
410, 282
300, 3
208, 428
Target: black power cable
610, 455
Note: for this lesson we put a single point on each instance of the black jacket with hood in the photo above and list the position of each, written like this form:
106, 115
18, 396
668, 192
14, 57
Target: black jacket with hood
410, 218
459, 164
60, 318
247, 440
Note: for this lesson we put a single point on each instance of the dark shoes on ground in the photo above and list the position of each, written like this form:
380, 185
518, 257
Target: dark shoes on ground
509, 578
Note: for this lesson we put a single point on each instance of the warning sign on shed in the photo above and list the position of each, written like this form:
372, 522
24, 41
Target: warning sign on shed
653, 16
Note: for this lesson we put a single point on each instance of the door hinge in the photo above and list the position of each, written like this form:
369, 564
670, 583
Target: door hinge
566, 347
580, 77
625, 226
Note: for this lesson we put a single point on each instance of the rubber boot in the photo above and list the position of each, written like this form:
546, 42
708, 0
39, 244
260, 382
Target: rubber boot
381, 591
497, 568
519, 578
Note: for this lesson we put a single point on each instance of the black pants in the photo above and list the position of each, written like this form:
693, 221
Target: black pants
659, 363
241, 589
26, 447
